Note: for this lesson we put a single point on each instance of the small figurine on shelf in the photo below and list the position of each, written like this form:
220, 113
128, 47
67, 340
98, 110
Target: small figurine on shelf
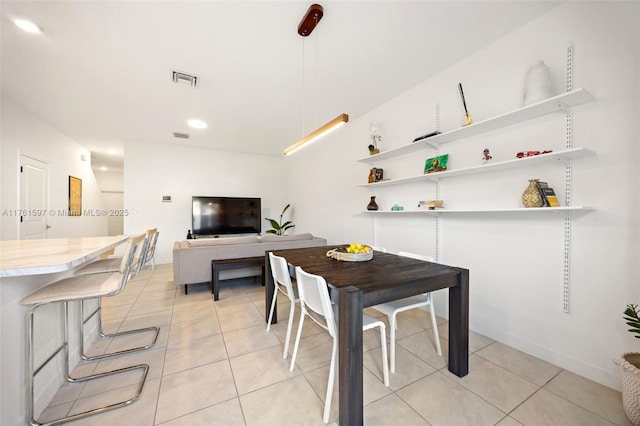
371, 175
189, 235
523, 154
486, 156
375, 138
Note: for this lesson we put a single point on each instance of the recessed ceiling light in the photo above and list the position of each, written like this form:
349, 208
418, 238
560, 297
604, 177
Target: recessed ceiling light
112, 151
104, 168
197, 124
27, 26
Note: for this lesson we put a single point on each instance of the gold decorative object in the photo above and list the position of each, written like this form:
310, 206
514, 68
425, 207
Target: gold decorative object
531, 196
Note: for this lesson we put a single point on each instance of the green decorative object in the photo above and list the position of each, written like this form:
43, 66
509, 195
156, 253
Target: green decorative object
531, 196
436, 164
280, 228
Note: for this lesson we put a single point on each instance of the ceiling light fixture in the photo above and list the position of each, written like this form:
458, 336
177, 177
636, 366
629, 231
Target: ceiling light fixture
305, 28
318, 133
27, 26
197, 124
310, 20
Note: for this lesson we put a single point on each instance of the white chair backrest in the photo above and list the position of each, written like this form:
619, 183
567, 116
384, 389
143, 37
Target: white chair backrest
280, 272
128, 258
314, 295
140, 255
416, 256
152, 234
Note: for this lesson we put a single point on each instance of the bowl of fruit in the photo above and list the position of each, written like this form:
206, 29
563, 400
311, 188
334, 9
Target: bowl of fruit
351, 253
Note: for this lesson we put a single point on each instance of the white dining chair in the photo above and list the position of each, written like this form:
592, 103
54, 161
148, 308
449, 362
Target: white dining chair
393, 308
282, 283
314, 297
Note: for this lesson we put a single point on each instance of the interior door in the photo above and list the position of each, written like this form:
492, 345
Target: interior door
34, 198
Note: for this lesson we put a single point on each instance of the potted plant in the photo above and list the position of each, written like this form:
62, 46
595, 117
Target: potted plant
630, 363
279, 228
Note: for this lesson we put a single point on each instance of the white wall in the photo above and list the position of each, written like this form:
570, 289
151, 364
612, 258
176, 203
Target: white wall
515, 261
111, 181
24, 133
111, 185
154, 170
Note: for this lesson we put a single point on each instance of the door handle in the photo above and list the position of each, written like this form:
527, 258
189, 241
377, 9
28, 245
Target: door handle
48, 227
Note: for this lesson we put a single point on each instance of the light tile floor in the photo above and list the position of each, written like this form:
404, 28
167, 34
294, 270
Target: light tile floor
215, 364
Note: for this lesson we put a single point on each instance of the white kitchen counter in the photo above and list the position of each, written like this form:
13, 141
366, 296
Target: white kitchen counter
35, 257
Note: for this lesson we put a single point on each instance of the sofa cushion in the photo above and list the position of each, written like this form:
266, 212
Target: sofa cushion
268, 238
223, 241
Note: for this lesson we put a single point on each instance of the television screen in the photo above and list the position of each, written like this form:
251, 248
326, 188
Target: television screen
225, 216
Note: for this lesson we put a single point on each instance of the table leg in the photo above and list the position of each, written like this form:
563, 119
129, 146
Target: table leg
459, 325
267, 279
350, 356
215, 281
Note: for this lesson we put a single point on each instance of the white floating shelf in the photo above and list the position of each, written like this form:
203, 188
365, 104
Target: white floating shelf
555, 104
563, 156
532, 210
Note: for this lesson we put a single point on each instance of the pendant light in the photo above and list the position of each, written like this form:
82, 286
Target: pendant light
305, 28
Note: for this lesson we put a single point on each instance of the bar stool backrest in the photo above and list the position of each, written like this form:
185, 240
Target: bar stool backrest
152, 237
128, 258
140, 255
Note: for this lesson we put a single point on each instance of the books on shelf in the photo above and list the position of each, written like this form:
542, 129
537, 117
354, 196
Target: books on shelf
548, 195
430, 205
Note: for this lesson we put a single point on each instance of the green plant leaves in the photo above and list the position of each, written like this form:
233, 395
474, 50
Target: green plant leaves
279, 228
632, 319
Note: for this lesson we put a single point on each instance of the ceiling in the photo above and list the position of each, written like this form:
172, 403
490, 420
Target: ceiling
100, 72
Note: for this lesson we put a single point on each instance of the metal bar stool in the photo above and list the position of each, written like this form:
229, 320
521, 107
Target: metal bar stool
112, 264
153, 235
77, 289
104, 266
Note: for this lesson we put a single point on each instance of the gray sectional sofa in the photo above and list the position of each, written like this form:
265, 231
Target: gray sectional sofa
192, 258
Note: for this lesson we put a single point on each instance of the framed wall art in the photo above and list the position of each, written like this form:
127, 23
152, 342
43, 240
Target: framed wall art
436, 164
75, 196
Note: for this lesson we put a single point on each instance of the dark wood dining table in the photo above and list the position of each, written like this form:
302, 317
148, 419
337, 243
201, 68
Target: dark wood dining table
361, 284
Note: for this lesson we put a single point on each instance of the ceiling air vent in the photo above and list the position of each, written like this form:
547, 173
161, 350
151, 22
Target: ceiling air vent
184, 79
181, 135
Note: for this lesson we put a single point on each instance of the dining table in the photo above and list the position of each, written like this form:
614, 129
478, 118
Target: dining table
383, 278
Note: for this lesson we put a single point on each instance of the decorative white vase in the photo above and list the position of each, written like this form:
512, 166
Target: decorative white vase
537, 84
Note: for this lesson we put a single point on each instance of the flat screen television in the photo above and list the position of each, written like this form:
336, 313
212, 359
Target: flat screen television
213, 216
